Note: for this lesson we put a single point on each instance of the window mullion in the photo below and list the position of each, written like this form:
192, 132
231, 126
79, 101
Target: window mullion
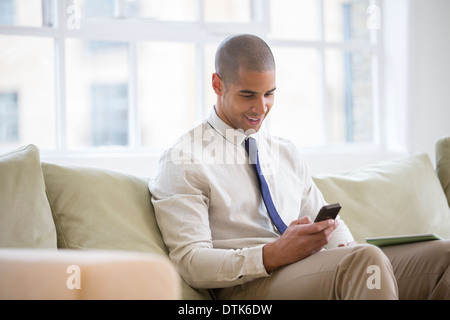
60, 83
200, 80
260, 12
48, 13
133, 108
378, 93
200, 10
119, 8
60, 77
323, 99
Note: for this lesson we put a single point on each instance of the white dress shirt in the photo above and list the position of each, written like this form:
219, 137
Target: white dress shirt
210, 210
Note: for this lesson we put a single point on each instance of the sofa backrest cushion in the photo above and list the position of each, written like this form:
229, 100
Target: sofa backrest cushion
394, 197
25, 216
443, 164
103, 209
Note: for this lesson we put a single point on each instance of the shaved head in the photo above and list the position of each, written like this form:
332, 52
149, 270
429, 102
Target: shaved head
242, 52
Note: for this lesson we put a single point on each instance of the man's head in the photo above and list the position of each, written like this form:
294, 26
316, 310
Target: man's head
244, 81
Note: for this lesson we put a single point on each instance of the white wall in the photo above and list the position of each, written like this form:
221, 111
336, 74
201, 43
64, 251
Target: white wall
417, 73
429, 73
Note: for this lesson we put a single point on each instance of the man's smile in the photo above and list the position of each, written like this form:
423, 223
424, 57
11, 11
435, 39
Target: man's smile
254, 121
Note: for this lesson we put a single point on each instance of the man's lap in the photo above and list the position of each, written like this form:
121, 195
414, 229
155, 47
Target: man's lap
420, 269
316, 277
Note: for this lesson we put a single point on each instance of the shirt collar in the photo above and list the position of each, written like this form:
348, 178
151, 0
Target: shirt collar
235, 136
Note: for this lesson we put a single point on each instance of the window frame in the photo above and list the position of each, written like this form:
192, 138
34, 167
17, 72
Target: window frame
201, 33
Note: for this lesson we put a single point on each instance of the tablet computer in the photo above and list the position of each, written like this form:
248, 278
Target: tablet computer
402, 239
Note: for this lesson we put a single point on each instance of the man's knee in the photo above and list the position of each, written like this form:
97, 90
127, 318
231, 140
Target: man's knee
375, 261
370, 272
367, 253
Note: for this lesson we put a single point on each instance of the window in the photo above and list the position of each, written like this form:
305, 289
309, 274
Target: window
7, 13
97, 100
27, 85
327, 72
109, 107
21, 13
133, 75
9, 118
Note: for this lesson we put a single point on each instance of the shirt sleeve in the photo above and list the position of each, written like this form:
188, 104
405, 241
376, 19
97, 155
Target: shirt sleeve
313, 200
180, 196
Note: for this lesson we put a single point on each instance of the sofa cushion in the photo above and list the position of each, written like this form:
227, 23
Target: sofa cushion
399, 196
443, 164
102, 209
65, 274
25, 216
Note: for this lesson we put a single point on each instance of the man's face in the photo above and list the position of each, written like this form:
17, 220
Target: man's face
245, 103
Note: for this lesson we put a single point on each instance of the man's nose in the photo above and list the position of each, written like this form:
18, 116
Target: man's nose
259, 105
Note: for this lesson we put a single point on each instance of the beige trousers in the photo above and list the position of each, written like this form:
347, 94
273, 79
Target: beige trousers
409, 271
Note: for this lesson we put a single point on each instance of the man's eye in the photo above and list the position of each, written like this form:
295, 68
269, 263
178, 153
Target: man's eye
247, 96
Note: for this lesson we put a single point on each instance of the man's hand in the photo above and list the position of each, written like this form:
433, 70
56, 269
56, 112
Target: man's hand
347, 244
300, 240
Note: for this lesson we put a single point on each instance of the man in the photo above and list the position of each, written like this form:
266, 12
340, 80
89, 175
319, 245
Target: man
222, 233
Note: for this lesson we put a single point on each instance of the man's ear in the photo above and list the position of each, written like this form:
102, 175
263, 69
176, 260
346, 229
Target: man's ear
217, 84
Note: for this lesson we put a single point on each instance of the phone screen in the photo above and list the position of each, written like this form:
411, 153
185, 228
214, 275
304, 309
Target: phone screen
328, 212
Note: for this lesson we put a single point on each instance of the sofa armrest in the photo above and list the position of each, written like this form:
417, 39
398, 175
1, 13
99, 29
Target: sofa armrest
443, 164
68, 274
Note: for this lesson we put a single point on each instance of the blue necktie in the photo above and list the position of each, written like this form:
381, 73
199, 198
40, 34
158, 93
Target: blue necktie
252, 150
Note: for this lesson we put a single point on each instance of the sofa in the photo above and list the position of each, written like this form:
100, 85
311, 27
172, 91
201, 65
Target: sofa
87, 233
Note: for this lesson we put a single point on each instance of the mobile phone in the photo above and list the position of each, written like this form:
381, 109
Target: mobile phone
329, 211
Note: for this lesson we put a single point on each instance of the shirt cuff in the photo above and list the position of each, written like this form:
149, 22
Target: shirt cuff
255, 265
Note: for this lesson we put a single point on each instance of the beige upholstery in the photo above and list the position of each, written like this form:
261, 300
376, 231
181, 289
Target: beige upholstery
443, 164
103, 209
45, 207
44, 274
399, 196
25, 216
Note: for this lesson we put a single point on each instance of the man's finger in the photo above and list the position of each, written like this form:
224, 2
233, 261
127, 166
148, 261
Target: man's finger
302, 220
